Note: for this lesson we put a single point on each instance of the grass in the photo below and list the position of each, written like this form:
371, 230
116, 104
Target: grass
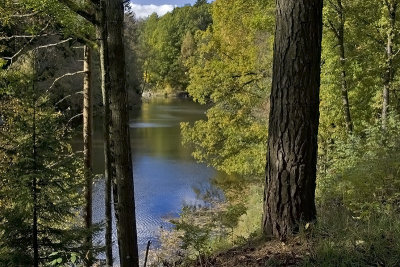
339, 239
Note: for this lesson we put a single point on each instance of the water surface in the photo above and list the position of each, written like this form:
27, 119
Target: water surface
164, 171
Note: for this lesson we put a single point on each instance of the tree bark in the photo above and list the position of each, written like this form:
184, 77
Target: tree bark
35, 226
345, 94
34, 194
120, 138
388, 76
87, 149
289, 196
105, 89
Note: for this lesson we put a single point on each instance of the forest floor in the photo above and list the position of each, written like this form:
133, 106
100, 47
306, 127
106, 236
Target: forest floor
261, 253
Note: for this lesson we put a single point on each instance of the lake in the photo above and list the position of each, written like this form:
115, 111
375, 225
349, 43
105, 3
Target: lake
164, 172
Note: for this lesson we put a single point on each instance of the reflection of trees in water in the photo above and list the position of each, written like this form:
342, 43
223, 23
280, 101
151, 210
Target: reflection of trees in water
164, 141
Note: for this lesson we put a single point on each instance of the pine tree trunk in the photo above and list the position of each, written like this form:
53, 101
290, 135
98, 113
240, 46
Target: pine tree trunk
105, 89
87, 149
120, 138
289, 197
345, 94
388, 77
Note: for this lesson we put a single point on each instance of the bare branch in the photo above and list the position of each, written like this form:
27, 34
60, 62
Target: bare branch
68, 96
16, 55
63, 76
25, 15
7, 38
74, 117
53, 44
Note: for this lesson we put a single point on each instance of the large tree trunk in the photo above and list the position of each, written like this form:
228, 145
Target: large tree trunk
388, 76
87, 149
102, 34
289, 197
120, 139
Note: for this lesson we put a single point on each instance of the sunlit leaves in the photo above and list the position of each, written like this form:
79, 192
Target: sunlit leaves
161, 44
230, 69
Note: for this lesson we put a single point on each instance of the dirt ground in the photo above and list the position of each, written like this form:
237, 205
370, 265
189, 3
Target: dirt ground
271, 253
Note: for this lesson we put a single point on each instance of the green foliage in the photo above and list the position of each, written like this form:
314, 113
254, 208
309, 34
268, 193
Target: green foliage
230, 217
231, 70
195, 237
365, 40
35, 158
161, 40
48, 15
202, 231
339, 239
63, 259
363, 171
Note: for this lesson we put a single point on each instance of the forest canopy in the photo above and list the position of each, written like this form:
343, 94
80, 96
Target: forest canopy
222, 55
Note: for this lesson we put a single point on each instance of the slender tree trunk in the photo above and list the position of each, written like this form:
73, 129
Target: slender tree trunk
105, 89
120, 138
345, 94
34, 180
338, 31
34, 193
87, 148
289, 197
388, 77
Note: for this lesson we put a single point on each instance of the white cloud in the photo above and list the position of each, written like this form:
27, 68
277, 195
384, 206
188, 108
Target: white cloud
143, 11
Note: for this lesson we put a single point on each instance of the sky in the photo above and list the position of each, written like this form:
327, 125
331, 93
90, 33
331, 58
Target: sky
144, 8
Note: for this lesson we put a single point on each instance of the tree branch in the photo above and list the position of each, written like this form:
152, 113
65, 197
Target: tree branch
74, 117
7, 38
89, 16
63, 76
68, 96
53, 44
333, 29
334, 6
25, 15
16, 55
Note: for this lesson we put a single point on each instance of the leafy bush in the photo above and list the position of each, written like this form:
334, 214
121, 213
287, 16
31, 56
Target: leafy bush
363, 175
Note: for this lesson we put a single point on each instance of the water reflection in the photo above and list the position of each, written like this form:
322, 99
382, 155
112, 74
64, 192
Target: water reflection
164, 171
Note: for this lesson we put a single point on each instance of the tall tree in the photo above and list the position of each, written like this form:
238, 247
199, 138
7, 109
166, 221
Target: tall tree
99, 20
87, 146
102, 35
41, 177
336, 24
35, 208
391, 6
289, 196
230, 66
120, 138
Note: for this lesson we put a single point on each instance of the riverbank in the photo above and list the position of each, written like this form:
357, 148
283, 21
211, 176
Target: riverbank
337, 239
154, 94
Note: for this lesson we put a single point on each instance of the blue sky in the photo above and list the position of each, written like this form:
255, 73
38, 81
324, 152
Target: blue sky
144, 8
